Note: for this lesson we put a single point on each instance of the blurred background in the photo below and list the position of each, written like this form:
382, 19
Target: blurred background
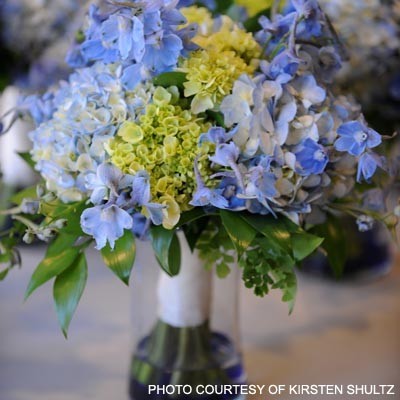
342, 331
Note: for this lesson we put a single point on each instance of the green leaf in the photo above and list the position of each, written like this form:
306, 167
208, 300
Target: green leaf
240, 232
223, 270
28, 193
5, 193
121, 259
26, 156
193, 231
54, 263
289, 236
275, 229
304, 244
218, 117
190, 216
71, 212
174, 256
3, 274
63, 241
335, 243
223, 6
68, 289
168, 79
167, 249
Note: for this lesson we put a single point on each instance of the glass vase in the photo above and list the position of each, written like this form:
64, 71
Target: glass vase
186, 336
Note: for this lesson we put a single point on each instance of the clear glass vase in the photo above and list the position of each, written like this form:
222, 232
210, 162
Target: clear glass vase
186, 335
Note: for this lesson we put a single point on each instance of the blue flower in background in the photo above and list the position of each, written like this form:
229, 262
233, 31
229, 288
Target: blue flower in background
105, 224
355, 138
311, 158
395, 88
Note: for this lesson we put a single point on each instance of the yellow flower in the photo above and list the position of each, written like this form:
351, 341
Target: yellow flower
164, 142
254, 6
210, 77
231, 37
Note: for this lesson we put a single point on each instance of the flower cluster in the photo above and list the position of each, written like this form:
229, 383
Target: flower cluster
144, 37
36, 36
173, 107
164, 142
371, 32
29, 26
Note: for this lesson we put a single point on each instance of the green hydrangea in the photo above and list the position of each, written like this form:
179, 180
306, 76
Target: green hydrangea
164, 142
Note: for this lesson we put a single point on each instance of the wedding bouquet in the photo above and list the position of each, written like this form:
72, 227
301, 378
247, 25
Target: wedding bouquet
181, 118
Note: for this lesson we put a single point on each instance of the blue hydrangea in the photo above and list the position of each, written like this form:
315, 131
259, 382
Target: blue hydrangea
143, 37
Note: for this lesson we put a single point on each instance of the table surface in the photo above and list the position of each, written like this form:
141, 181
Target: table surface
340, 333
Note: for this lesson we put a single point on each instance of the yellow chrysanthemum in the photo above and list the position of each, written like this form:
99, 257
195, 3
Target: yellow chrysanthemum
210, 76
254, 6
164, 142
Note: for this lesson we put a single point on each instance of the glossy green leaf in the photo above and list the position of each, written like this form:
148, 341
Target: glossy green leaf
63, 241
335, 243
167, 249
240, 232
174, 256
304, 244
68, 289
289, 236
168, 79
54, 263
26, 156
121, 259
272, 228
190, 216
3, 274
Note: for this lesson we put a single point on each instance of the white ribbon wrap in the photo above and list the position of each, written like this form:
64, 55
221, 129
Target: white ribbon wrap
185, 300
